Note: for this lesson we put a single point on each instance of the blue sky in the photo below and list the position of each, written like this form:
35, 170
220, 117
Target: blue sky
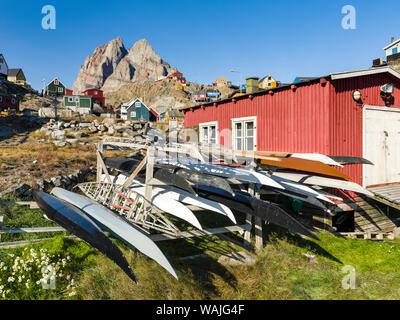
203, 39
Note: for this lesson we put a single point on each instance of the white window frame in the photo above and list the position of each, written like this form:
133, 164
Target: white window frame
244, 140
138, 104
70, 99
60, 89
208, 125
56, 82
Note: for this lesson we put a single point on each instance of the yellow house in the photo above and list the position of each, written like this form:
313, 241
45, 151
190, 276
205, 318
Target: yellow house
221, 81
174, 115
17, 76
267, 82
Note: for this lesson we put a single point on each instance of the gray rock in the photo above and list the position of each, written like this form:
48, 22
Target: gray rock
56, 181
58, 135
61, 144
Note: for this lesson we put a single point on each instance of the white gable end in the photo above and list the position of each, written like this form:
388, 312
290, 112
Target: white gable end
3, 65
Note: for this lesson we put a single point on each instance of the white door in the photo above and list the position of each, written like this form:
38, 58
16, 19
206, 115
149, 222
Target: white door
381, 145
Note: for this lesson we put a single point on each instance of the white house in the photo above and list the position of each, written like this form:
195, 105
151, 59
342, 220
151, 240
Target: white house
3, 67
392, 48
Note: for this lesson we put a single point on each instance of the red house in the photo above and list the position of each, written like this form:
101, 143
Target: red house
68, 92
353, 113
97, 95
9, 102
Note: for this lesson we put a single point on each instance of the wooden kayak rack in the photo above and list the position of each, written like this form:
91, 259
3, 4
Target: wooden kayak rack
158, 221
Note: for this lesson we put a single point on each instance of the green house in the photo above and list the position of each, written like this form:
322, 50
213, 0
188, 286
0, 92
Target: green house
55, 88
81, 104
136, 110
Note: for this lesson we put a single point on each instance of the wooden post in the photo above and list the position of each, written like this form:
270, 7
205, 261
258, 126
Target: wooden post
249, 221
99, 168
149, 174
102, 167
258, 227
1, 225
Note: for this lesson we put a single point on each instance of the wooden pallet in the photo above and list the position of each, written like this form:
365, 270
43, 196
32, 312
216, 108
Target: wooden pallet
375, 236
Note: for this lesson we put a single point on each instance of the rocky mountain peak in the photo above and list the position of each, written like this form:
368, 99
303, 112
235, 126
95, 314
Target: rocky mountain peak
111, 66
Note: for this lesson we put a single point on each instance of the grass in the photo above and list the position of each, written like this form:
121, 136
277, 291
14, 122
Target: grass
282, 270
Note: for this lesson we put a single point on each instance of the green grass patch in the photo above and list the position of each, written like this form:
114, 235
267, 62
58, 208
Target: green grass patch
282, 270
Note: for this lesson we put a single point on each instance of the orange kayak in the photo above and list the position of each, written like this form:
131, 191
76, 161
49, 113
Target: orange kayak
305, 165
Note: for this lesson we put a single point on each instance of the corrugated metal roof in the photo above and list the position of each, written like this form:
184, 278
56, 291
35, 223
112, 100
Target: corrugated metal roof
388, 192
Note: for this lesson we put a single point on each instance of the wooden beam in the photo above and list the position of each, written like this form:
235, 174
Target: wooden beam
199, 233
101, 165
135, 173
31, 230
1, 225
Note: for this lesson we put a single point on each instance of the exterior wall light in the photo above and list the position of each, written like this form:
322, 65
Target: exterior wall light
357, 96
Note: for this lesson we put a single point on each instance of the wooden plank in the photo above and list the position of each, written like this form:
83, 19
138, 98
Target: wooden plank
135, 173
200, 233
259, 233
31, 204
103, 167
1, 225
16, 244
31, 230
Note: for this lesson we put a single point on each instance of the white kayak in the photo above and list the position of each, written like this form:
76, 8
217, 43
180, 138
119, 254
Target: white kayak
316, 157
164, 203
221, 171
177, 195
323, 182
117, 226
304, 189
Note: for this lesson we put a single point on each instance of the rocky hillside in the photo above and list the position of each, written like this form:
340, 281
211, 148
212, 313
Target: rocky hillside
7, 88
159, 95
112, 66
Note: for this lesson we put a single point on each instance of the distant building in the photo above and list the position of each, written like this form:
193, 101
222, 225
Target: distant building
16, 76
172, 115
268, 82
97, 95
392, 48
303, 79
55, 88
68, 92
3, 68
136, 110
199, 96
80, 104
9, 103
221, 80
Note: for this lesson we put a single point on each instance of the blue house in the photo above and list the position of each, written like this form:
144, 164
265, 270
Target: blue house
136, 110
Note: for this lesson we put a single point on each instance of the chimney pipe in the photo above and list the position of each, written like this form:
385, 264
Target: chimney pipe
392, 39
251, 85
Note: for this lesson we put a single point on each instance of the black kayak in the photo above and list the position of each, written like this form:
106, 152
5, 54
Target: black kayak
244, 202
171, 175
79, 224
128, 165
343, 160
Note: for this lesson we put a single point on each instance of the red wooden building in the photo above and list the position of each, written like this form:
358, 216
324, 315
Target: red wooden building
342, 114
9, 102
68, 92
97, 95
